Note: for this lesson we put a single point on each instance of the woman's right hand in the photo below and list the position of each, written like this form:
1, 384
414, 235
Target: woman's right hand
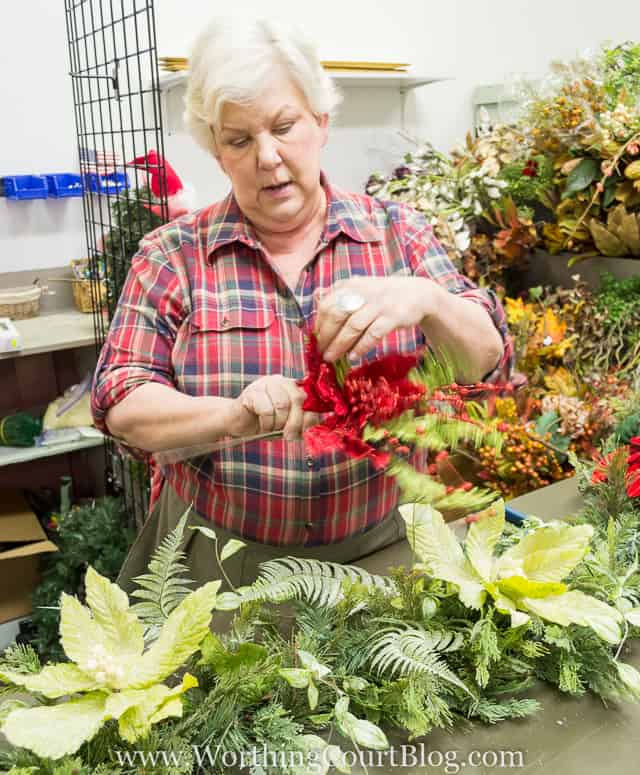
273, 403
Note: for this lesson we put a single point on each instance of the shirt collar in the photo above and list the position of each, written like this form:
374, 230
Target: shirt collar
346, 214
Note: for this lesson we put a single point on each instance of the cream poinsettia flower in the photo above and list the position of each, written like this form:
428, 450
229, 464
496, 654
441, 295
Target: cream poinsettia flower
110, 675
527, 579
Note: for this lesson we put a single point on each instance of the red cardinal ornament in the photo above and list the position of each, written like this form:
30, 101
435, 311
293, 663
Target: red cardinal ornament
165, 181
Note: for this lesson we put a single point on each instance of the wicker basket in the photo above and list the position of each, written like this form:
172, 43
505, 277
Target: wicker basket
82, 294
20, 303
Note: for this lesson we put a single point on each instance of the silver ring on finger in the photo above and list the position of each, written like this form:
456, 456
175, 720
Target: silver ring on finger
349, 302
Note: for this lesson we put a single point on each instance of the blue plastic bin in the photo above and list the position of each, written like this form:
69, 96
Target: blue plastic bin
110, 184
64, 184
25, 186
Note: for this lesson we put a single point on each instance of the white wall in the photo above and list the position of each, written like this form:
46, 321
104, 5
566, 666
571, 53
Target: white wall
474, 41
37, 135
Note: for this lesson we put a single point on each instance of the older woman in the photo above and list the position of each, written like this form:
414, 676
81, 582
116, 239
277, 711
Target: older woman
209, 335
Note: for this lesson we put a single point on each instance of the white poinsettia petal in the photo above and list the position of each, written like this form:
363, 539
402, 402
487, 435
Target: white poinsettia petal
54, 731
123, 633
441, 553
80, 636
180, 637
138, 709
574, 607
482, 538
548, 554
53, 681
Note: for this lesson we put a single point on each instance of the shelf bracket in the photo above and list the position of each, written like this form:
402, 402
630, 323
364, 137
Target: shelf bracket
112, 78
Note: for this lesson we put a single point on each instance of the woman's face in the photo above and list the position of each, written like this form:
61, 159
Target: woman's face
270, 151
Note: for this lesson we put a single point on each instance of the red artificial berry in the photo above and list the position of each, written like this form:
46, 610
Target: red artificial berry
449, 489
420, 429
503, 427
471, 518
393, 440
466, 486
402, 450
432, 469
442, 455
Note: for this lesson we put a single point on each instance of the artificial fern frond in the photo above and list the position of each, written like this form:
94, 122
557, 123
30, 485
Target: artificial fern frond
397, 650
316, 582
163, 587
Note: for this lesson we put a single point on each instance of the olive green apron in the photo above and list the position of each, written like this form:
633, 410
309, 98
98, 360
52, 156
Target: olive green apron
241, 568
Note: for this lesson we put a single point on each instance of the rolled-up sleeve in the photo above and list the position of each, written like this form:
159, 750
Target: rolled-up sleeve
429, 259
138, 346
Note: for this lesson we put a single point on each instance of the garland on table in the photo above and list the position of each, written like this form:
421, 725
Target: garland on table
461, 634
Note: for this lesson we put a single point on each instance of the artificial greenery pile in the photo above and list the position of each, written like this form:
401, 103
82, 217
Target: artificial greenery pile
92, 534
320, 651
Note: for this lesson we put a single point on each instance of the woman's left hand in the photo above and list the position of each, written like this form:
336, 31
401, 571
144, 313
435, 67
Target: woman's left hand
388, 303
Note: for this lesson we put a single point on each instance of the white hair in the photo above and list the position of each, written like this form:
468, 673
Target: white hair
231, 61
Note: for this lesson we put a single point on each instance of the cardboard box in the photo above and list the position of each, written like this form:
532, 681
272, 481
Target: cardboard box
22, 541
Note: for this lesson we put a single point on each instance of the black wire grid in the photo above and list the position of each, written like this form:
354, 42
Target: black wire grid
115, 80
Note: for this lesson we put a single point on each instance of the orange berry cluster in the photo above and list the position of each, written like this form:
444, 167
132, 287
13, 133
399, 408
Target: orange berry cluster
523, 464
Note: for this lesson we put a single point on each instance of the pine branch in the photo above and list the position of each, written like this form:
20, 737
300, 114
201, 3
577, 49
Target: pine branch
485, 648
434, 372
415, 704
416, 487
492, 711
436, 431
19, 658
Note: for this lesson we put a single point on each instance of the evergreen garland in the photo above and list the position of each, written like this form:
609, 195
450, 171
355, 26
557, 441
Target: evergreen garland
352, 654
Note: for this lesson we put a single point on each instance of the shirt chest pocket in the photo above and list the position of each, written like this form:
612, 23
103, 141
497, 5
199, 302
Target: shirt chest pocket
220, 350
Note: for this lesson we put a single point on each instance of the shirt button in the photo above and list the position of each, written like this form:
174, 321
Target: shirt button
310, 461
225, 321
308, 525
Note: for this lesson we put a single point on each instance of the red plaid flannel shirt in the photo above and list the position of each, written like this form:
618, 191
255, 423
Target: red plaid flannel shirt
205, 312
